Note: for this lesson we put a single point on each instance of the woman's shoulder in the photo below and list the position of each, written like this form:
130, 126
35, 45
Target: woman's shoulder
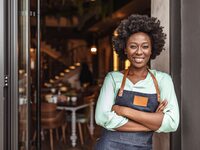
160, 75
115, 75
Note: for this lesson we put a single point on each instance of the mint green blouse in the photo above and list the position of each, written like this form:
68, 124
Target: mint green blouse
108, 119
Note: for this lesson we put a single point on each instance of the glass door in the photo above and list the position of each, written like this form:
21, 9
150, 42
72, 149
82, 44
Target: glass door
24, 76
28, 74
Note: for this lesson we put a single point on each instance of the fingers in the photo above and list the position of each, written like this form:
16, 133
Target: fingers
162, 106
118, 109
115, 107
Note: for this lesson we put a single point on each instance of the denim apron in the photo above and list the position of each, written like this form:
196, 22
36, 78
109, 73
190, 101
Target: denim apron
119, 140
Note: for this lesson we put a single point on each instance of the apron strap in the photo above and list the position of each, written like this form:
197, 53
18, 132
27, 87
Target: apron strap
123, 82
120, 93
156, 85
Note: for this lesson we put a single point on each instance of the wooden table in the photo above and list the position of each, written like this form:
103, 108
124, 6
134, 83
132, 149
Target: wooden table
73, 109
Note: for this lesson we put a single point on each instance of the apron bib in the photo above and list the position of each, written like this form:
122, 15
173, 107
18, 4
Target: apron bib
119, 140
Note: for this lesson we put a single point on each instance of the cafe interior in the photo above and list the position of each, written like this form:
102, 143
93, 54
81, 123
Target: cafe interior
76, 53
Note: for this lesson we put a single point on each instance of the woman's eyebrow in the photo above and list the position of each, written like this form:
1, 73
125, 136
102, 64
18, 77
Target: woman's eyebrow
146, 42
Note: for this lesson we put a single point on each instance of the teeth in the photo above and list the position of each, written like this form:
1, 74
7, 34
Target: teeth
138, 60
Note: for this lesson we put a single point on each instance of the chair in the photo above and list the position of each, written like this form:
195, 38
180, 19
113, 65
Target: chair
83, 119
51, 119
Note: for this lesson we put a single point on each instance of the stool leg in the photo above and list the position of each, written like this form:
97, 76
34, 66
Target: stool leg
63, 132
80, 133
57, 136
51, 138
88, 128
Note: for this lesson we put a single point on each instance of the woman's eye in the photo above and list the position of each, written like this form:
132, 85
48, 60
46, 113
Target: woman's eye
133, 46
145, 46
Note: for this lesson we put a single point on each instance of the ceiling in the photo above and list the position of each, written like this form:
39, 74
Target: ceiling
85, 18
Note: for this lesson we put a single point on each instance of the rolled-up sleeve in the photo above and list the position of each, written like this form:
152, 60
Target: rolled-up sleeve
171, 117
104, 116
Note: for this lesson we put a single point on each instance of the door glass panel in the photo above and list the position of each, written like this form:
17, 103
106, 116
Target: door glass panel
24, 75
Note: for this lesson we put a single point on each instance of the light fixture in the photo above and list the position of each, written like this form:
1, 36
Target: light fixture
57, 77
32, 50
21, 71
115, 33
93, 49
62, 74
77, 64
51, 81
47, 84
67, 70
72, 67
63, 88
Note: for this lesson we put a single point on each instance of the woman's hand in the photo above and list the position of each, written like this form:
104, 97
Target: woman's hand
162, 106
120, 110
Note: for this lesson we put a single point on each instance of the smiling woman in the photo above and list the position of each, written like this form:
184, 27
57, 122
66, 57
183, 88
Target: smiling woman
136, 102
138, 49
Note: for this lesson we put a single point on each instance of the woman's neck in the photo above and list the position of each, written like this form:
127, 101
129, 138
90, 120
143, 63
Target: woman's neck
138, 71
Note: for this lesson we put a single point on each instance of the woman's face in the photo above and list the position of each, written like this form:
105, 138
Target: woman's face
138, 49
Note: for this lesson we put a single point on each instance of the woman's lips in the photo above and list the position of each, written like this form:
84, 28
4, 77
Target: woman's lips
138, 60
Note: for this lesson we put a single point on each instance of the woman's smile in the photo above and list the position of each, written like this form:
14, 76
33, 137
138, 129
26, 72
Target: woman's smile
138, 59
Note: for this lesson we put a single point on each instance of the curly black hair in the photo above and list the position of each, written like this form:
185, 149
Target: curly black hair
139, 23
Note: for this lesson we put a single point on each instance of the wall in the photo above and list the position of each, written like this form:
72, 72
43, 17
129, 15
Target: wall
160, 9
190, 74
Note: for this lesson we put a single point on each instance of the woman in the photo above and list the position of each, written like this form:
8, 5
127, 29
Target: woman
134, 103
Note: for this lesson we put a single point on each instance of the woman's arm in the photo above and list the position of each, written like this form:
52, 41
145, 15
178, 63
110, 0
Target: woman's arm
150, 120
132, 126
104, 116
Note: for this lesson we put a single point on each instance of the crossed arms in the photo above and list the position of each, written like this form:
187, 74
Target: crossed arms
140, 121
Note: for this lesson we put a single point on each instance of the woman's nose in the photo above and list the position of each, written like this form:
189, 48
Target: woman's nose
139, 50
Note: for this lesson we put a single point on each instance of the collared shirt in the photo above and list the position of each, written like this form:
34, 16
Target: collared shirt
108, 119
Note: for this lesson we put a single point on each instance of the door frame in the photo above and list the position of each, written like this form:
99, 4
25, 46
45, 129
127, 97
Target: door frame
2, 67
175, 63
13, 73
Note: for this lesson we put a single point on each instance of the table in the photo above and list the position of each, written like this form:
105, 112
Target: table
73, 109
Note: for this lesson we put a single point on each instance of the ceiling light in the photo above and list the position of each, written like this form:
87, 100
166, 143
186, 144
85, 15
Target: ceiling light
57, 77
93, 49
67, 70
77, 64
62, 74
51, 81
32, 50
115, 33
72, 67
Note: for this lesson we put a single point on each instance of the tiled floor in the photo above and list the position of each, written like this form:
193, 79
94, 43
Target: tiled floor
59, 145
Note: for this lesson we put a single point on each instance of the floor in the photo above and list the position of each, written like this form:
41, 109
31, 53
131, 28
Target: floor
59, 145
